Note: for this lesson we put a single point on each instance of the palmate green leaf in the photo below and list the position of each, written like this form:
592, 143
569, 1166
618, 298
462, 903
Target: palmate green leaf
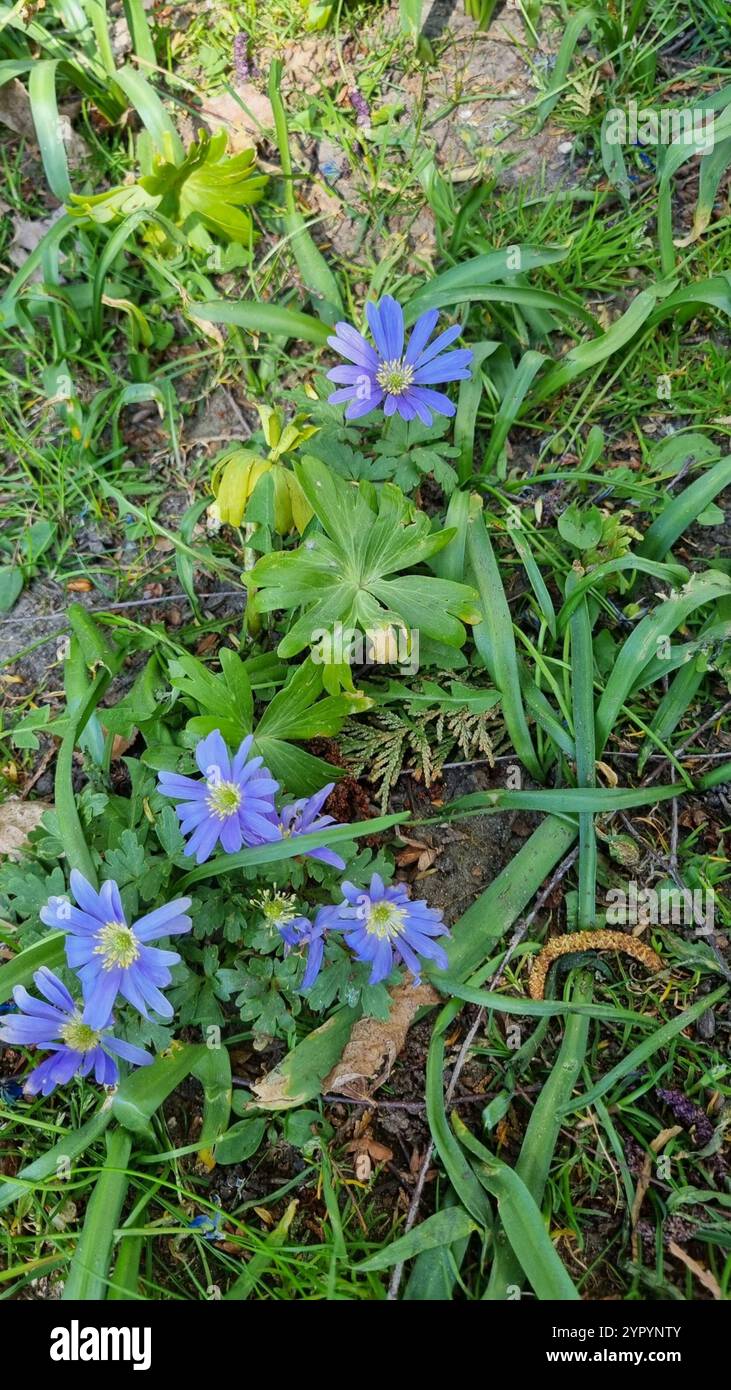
215, 187
296, 712
347, 573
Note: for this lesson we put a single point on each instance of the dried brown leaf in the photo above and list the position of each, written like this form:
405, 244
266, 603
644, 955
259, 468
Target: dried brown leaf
17, 819
375, 1044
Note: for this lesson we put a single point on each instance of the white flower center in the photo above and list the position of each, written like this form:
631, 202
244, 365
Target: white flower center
79, 1036
395, 376
118, 945
224, 799
385, 920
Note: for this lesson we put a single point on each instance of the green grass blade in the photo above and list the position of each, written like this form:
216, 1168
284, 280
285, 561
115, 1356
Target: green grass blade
410, 17
458, 1169
142, 1092
142, 96
522, 379
682, 511
124, 1279
20, 970
318, 278
139, 28
582, 703
87, 1278
290, 849
499, 626
572, 33
468, 401
521, 1221
213, 1070
535, 578
451, 286
642, 645
541, 1136
262, 318
48, 1165
44, 109
582, 358
507, 896
667, 573
633, 1060
570, 801
442, 1229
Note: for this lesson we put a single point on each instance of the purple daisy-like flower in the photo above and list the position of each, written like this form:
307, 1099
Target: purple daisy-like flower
234, 803
401, 380
111, 957
299, 933
62, 1027
303, 818
383, 925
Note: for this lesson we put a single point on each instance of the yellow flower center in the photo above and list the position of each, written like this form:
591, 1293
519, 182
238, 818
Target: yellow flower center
224, 799
79, 1036
395, 376
118, 945
385, 920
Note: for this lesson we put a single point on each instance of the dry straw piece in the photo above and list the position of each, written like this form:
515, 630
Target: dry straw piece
587, 941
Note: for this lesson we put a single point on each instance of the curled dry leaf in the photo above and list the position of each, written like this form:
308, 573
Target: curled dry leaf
17, 819
246, 117
375, 1044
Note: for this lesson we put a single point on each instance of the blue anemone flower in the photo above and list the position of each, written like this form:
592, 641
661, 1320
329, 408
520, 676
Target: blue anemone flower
382, 926
303, 817
299, 933
111, 957
234, 803
62, 1027
386, 374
